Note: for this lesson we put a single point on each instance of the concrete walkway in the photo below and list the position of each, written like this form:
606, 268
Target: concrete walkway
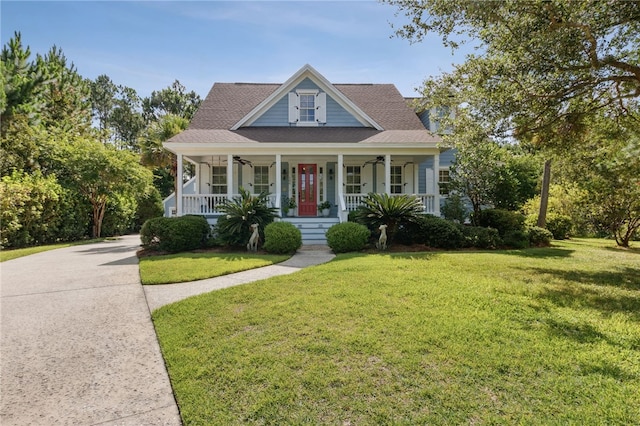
77, 345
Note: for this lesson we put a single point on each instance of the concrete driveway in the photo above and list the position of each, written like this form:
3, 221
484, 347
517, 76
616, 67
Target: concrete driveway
77, 345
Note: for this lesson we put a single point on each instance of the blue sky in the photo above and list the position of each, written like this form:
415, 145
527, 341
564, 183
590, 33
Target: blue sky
147, 45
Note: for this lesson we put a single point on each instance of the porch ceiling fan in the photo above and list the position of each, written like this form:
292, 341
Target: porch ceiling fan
379, 159
239, 160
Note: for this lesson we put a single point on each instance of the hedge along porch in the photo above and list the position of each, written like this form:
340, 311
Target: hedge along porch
309, 140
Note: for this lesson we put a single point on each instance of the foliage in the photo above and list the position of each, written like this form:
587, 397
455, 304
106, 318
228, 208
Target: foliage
539, 237
517, 239
119, 216
564, 200
534, 336
347, 236
281, 238
324, 205
515, 181
433, 231
383, 209
503, 220
541, 66
560, 226
454, 209
606, 167
175, 234
238, 214
480, 237
149, 206
28, 209
173, 100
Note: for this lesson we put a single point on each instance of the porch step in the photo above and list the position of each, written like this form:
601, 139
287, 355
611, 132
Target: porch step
313, 229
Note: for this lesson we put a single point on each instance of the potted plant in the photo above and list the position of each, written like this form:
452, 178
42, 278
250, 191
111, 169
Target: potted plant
291, 204
324, 208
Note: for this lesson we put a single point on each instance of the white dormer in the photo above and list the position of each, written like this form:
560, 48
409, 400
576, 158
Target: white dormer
307, 107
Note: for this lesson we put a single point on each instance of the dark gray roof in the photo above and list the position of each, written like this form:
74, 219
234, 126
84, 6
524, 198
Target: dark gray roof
227, 103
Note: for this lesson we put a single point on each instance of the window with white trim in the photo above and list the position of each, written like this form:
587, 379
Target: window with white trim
307, 107
396, 180
443, 181
353, 180
218, 180
261, 179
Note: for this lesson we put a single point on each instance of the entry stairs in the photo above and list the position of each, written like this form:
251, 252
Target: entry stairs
313, 229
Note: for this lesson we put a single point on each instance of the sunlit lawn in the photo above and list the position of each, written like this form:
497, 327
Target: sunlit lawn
184, 267
16, 253
539, 336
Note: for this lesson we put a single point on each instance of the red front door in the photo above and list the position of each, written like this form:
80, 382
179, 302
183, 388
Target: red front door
307, 205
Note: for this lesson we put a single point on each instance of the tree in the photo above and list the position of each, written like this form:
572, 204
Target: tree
543, 65
173, 100
99, 172
103, 93
607, 168
154, 155
126, 119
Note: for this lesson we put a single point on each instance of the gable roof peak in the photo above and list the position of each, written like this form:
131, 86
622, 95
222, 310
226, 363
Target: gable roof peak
307, 71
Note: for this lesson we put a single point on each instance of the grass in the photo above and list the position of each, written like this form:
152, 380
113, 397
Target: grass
537, 336
183, 267
16, 253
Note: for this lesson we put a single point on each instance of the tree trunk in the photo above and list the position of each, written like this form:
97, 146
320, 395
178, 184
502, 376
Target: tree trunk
544, 195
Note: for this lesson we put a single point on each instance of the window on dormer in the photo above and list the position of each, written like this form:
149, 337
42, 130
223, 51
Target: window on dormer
307, 108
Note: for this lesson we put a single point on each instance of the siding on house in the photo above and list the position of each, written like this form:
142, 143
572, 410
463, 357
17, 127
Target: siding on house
278, 114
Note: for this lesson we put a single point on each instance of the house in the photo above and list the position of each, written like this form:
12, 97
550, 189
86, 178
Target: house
309, 140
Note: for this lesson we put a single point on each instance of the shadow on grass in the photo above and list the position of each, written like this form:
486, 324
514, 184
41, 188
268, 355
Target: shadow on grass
626, 278
538, 253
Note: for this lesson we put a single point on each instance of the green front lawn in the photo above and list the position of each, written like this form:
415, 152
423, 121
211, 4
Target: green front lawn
538, 336
183, 267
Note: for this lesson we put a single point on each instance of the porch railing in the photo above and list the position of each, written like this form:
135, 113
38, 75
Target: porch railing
210, 203
352, 201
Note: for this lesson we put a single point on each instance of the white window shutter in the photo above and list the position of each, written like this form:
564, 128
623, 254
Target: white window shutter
293, 107
429, 189
321, 107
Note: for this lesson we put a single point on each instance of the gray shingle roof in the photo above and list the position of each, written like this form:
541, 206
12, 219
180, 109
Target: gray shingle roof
228, 103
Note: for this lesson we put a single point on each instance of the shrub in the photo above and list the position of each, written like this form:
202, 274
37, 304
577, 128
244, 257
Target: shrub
393, 211
560, 226
439, 233
282, 237
480, 237
539, 237
234, 226
175, 234
516, 239
504, 221
453, 209
347, 236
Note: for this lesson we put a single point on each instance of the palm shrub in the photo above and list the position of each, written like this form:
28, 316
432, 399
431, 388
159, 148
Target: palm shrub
347, 236
281, 238
239, 213
393, 211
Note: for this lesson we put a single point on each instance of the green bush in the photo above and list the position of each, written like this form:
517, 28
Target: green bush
539, 237
454, 209
438, 233
393, 211
504, 221
282, 237
560, 226
175, 234
516, 239
480, 237
347, 236
234, 226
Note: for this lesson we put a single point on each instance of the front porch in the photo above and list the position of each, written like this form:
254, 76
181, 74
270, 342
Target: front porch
341, 180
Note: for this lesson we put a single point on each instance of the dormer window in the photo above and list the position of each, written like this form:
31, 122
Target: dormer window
307, 107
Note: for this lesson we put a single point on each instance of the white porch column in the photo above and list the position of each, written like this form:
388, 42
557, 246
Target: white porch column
387, 174
179, 185
229, 176
278, 180
340, 177
436, 184
416, 179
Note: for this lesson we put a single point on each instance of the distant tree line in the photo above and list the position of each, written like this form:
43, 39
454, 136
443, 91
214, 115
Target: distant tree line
80, 158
